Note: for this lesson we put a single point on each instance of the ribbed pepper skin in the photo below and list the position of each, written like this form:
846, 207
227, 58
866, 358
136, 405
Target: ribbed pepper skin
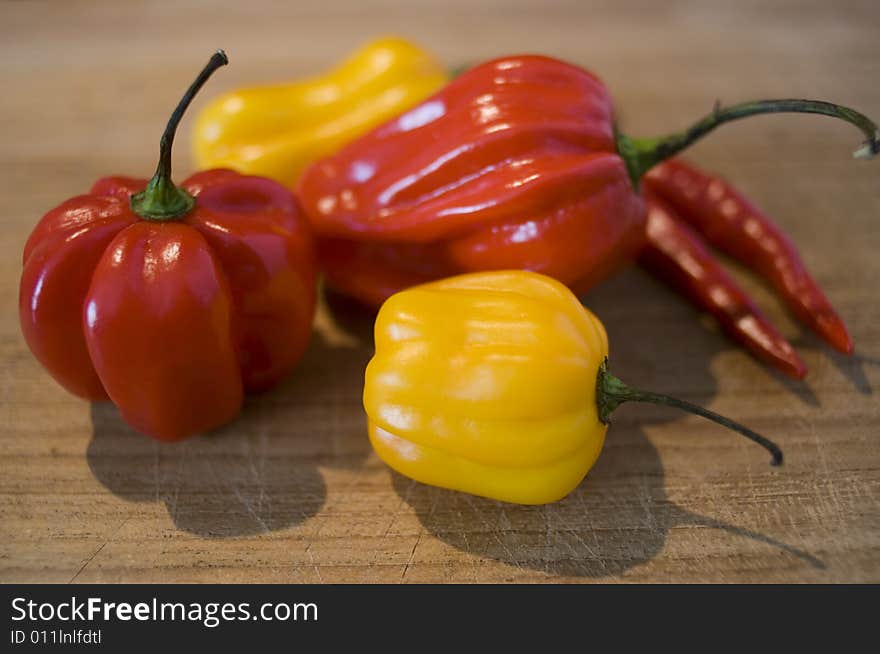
275, 131
485, 383
513, 165
171, 320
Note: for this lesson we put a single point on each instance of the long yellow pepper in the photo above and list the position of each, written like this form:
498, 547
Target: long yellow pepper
495, 384
275, 131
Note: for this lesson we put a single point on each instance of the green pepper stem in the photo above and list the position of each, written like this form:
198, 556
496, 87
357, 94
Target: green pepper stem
611, 393
162, 200
643, 154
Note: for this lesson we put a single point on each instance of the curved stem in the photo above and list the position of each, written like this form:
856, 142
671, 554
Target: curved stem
643, 154
162, 200
611, 393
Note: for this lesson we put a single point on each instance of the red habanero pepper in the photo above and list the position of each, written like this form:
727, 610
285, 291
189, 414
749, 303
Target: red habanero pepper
171, 301
729, 222
516, 164
513, 164
679, 257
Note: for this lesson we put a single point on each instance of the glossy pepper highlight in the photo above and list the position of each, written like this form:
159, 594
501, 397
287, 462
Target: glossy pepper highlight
518, 163
170, 301
276, 130
736, 227
678, 255
496, 384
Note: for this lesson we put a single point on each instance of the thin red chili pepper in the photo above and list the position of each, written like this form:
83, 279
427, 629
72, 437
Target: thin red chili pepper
729, 222
678, 256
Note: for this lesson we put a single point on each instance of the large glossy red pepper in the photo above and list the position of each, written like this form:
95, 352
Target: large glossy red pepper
517, 163
171, 301
512, 165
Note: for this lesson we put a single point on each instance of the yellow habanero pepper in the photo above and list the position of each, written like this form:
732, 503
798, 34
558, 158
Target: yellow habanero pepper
496, 384
276, 131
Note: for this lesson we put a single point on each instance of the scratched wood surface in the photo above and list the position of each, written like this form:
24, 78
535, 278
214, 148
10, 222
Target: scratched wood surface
290, 492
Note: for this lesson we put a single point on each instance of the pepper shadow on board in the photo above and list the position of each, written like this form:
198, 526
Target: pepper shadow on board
620, 516
259, 473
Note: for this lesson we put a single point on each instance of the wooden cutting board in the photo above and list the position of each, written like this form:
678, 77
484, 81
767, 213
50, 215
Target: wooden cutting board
290, 492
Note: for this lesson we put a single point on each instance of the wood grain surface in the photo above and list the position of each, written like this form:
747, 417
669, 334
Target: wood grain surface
291, 492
